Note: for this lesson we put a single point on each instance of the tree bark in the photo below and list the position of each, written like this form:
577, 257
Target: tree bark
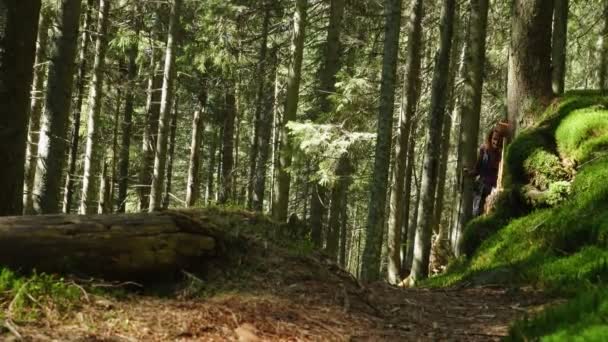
281, 198
122, 247
529, 88
40, 69
261, 98
160, 158
171, 157
424, 229
127, 126
263, 137
150, 134
470, 107
80, 87
327, 86
226, 188
379, 185
339, 192
193, 188
604, 51
413, 220
214, 137
52, 143
92, 160
18, 28
559, 46
409, 100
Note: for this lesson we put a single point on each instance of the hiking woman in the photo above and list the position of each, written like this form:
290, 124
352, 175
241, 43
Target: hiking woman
486, 168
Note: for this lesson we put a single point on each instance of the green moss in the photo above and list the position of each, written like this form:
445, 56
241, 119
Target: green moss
584, 318
564, 248
584, 133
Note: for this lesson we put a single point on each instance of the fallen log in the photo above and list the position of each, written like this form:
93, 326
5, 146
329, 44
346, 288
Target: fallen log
114, 247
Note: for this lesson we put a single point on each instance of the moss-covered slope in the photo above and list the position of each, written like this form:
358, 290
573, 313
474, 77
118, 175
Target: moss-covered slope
558, 243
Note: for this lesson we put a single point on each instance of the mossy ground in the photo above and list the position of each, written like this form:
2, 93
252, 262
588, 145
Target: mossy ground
560, 247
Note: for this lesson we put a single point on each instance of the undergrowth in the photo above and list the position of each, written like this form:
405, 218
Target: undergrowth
562, 246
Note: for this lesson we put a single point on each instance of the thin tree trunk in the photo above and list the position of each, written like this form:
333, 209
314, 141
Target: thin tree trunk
193, 188
345, 233
127, 126
446, 143
424, 229
171, 157
281, 202
68, 192
413, 220
559, 46
529, 61
409, 101
226, 189
114, 159
379, 186
18, 28
409, 229
52, 142
261, 96
604, 50
92, 160
470, 108
327, 86
104, 205
160, 158
40, 68
214, 138
150, 133
339, 192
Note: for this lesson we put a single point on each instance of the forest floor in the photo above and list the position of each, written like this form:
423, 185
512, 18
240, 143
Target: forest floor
273, 295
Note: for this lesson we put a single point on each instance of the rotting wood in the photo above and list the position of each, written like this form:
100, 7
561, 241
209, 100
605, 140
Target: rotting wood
115, 247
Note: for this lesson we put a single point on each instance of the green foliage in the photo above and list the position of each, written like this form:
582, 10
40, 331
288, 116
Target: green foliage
584, 133
581, 319
27, 297
562, 248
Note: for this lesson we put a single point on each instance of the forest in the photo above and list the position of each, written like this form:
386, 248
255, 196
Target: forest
280, 170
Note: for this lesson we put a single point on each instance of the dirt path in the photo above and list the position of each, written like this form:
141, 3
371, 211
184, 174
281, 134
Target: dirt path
273, 296
302, 313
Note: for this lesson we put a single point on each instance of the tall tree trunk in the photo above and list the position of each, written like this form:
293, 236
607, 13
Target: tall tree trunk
413, 220
52, 142
104, 204
327, 86
127, 126
379, 184
408, 229
338, 196
40, 68
529, 61
345, 233
92, 159
114, 151
261, 98
409, 100
80, 89
263, 138
160, 158
171, 157
424, 229
150, 133
281, 198
604, 51
559, 46
226, 188
214, 137
18, 28
470, 107
193, 190
446, 143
